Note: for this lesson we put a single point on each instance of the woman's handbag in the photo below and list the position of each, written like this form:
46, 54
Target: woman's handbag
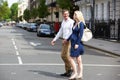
87, 34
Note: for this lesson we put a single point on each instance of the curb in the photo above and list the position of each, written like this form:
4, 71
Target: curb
112, 53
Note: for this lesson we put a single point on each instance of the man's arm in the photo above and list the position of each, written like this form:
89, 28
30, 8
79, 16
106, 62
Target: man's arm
57, 36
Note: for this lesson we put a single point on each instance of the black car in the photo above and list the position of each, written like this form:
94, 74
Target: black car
45, 30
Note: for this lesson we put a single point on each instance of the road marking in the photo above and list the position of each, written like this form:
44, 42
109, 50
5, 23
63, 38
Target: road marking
56, 64
20, 60
12, 39
100, 65
14, 43
17, 52
35, 44
15, 47
118, 75
99, 74
13, 73
35, 73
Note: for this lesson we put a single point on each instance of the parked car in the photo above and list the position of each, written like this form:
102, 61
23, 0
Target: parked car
25, 26
1, 24
20, 25
32, 27
45, 30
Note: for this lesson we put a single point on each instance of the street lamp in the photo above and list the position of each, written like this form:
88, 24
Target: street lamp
73, 8
92, 20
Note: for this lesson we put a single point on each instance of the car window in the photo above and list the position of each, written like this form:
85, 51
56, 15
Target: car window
32, 24
45, 27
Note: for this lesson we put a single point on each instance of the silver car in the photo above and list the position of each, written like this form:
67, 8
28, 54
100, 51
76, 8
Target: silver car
45, 30
1, 24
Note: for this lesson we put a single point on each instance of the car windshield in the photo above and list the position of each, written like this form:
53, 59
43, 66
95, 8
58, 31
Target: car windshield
45, 26
32, 24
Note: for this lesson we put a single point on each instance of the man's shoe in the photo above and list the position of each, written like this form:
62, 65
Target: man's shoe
69, 73
64, 74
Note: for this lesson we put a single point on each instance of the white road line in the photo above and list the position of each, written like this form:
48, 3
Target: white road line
17, 53
118, 74
13, 42
35, 44
20, 60
15, 47
56, 64
12, 39
101, 65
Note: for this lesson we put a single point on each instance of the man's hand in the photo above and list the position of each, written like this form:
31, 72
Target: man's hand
52, 43
64, 41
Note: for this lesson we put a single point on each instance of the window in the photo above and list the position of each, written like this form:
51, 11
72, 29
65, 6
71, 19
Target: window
96, 11
102, 11
87, 0
108, 9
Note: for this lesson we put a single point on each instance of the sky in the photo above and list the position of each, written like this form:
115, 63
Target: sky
10, 2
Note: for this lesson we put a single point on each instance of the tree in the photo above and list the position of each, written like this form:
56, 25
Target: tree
42, 9
14, 11
4, 10
34, 13
27, 15
68, 4
20, 18
64, 4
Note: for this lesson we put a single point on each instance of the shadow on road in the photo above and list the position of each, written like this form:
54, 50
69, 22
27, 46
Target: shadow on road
47, 74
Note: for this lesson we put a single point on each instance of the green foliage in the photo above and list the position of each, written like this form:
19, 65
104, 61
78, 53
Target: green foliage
14, 11
34, 13
20, 18
64, 4
4, 10
27, 15
42, 9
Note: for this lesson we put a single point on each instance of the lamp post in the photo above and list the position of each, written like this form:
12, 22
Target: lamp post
114, 3
93, 17
73, 7
51, 12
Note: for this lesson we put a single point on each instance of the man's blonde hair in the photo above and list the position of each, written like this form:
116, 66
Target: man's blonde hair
79, 16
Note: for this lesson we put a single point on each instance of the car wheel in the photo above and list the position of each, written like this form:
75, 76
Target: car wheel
38, 35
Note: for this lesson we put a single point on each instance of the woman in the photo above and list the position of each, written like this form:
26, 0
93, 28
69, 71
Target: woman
77, 48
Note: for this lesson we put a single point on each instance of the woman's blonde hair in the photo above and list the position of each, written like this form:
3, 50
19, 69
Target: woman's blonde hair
79, 16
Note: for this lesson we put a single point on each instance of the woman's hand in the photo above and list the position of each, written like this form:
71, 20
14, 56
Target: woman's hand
76, 46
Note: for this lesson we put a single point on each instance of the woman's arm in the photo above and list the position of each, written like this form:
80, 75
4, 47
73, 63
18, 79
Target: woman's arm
80, 33
69, 37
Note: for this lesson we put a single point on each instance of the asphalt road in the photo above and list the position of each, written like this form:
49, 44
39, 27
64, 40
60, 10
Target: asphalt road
24, 56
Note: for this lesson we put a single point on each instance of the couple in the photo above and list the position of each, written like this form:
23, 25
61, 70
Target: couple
71, 33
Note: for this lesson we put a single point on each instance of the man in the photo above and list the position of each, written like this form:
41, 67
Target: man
64, 32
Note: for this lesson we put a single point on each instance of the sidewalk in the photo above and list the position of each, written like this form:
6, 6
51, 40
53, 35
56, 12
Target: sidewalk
106, 46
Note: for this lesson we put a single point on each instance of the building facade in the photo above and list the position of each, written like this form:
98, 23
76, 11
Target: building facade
102, 16
22, 5
53, 8
106, 16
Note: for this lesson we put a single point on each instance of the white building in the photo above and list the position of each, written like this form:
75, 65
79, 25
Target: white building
22, 5
104, 10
